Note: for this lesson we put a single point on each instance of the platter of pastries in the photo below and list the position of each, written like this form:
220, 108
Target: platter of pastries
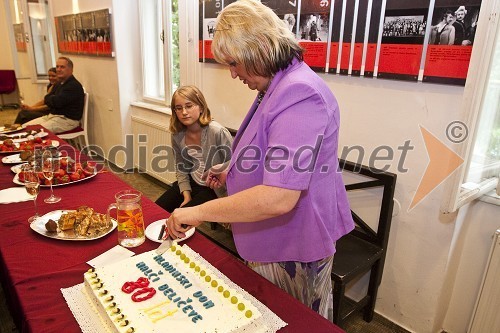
9, 128
77, 225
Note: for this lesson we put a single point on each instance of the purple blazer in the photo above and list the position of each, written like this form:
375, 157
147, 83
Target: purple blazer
290, 141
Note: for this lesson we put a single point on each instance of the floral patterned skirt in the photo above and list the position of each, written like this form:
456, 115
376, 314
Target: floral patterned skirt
310, 282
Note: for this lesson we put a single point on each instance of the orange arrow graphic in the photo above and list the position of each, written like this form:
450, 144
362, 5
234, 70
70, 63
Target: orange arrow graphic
442, 162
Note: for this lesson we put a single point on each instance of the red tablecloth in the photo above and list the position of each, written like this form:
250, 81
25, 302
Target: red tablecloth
34, 268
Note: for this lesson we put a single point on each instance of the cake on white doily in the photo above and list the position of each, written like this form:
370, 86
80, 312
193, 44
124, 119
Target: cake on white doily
177, 291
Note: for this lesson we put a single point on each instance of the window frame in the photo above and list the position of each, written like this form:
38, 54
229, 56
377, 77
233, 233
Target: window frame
161, 42
23, 9
48, 48
462, 192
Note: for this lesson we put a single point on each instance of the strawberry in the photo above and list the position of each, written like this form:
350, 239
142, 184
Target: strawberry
64, 179
8, 143
88, 171
75, 176
63, 162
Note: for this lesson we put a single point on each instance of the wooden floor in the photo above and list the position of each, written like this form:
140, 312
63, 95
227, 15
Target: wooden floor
152, 189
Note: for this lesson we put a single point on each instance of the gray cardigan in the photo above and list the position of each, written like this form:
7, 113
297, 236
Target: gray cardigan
216, 144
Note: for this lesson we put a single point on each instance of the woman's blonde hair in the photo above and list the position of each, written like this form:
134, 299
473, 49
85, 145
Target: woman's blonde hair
251, 34
194, 95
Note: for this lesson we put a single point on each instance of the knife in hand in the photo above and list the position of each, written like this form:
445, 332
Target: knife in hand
165, 245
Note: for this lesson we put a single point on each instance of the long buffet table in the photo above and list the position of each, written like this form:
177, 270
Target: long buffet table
34, 268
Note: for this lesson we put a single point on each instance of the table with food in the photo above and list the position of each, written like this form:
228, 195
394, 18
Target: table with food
90, 262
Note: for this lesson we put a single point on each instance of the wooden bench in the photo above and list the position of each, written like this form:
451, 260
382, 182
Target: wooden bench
364, 249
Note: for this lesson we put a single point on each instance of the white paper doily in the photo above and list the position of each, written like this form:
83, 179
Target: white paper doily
90, 322
83, 311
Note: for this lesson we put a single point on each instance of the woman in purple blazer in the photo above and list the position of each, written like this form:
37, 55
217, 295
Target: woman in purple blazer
287, 203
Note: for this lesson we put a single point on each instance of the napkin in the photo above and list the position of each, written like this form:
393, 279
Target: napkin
111, 256
14, 194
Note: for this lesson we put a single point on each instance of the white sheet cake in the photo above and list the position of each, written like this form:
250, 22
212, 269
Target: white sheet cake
181, 295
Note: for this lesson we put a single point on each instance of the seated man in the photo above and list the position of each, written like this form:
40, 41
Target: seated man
65, 103
38, 109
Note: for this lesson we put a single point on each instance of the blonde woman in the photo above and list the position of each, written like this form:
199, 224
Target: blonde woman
286, 202
198, 143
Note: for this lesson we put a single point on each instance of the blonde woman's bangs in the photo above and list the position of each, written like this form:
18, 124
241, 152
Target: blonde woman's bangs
251, 34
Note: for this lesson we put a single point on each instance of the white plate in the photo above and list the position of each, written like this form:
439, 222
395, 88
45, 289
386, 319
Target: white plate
12, 159
24, 136
39, 226
153, 230
4, 131
17, 168
28, 137
54, 143
18, 182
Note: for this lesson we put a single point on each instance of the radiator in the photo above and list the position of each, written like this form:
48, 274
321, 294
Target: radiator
147, 136
486, 317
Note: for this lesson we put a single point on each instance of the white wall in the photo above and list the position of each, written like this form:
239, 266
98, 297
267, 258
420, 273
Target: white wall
476, 224
434, 261
111, 90
6, 61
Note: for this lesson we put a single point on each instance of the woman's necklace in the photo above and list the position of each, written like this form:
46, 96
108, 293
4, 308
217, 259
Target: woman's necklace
262, 93
260, 97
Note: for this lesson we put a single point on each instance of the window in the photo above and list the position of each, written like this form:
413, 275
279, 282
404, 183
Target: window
160, 49
485, 159
33, 38
41, 37
482, 101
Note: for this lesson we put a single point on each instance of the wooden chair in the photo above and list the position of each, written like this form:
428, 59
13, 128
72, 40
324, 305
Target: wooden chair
364, 249
81, 132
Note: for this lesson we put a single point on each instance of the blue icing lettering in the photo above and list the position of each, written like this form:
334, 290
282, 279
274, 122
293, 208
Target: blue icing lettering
195, 318
208, 304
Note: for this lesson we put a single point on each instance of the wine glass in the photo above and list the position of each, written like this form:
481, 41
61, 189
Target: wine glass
32, 185
49, 163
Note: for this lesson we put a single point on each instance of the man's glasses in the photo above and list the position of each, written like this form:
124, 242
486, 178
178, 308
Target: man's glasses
187, 107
